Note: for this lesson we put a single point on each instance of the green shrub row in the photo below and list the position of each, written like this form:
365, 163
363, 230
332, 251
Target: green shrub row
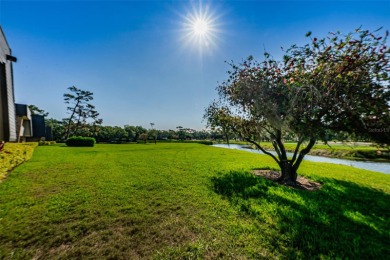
80, 141
370, 154
198, 142
42, 143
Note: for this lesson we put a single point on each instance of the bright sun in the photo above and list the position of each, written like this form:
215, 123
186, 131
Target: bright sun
200, 29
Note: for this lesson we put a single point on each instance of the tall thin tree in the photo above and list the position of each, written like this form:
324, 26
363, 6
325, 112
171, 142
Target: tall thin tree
78, 100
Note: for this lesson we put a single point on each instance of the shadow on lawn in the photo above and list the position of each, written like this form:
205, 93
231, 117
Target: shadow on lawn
342, 219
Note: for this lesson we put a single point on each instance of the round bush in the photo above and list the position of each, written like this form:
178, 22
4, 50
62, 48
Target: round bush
80, 141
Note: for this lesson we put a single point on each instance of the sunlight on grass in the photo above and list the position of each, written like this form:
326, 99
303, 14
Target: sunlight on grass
170, 201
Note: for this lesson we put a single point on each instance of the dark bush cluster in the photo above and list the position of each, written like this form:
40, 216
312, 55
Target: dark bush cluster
199, 142
80, 141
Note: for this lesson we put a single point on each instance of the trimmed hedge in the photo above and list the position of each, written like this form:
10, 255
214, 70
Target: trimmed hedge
80, 141
13, 155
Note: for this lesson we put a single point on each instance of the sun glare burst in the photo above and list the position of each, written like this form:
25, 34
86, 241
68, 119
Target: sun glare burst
200, 29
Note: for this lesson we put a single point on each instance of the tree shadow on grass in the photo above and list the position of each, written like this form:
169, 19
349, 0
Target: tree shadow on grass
342, 219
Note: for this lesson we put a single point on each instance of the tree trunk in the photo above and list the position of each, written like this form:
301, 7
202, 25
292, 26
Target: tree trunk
70, 119
289, 174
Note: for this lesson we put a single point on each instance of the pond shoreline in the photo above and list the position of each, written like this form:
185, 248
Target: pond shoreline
322, 153
383, 167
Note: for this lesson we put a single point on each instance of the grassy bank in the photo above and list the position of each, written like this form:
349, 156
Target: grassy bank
13, 155
338, 150
188, 201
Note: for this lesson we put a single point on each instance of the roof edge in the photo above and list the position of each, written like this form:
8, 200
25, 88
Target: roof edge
5, 38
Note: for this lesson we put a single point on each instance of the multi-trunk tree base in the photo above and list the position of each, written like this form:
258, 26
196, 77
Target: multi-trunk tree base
289, 174
300, 183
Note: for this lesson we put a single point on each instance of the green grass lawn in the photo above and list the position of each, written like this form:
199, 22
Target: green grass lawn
187, 201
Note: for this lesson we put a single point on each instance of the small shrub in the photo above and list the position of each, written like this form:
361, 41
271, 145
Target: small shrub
80, 141
43, 143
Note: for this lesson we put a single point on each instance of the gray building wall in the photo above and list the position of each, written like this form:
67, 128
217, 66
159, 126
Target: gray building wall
7, 98
38, 126
23, 122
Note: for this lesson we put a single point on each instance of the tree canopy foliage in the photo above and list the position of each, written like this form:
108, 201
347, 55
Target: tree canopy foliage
337, 83
37, 111
80, 110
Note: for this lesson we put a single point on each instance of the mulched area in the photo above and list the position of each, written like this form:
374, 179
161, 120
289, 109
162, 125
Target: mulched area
302, 182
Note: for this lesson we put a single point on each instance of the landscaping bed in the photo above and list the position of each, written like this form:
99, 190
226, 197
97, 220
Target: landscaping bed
14, 154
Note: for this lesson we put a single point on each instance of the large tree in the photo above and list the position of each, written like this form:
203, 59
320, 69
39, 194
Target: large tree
80, 110
57, 128
133, 132
337, 83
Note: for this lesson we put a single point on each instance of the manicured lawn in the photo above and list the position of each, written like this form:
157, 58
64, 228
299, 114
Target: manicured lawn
187, 201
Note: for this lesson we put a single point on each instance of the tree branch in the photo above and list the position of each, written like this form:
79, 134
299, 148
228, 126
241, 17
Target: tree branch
262, 149
303, 153
274, 144
300, 141
280, 145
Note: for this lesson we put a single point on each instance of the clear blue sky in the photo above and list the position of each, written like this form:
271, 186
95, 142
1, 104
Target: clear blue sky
136, 56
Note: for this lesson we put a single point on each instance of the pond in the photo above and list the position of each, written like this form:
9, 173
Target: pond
372, 166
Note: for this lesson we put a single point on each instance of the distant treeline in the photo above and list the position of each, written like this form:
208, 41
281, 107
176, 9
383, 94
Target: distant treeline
128, 133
